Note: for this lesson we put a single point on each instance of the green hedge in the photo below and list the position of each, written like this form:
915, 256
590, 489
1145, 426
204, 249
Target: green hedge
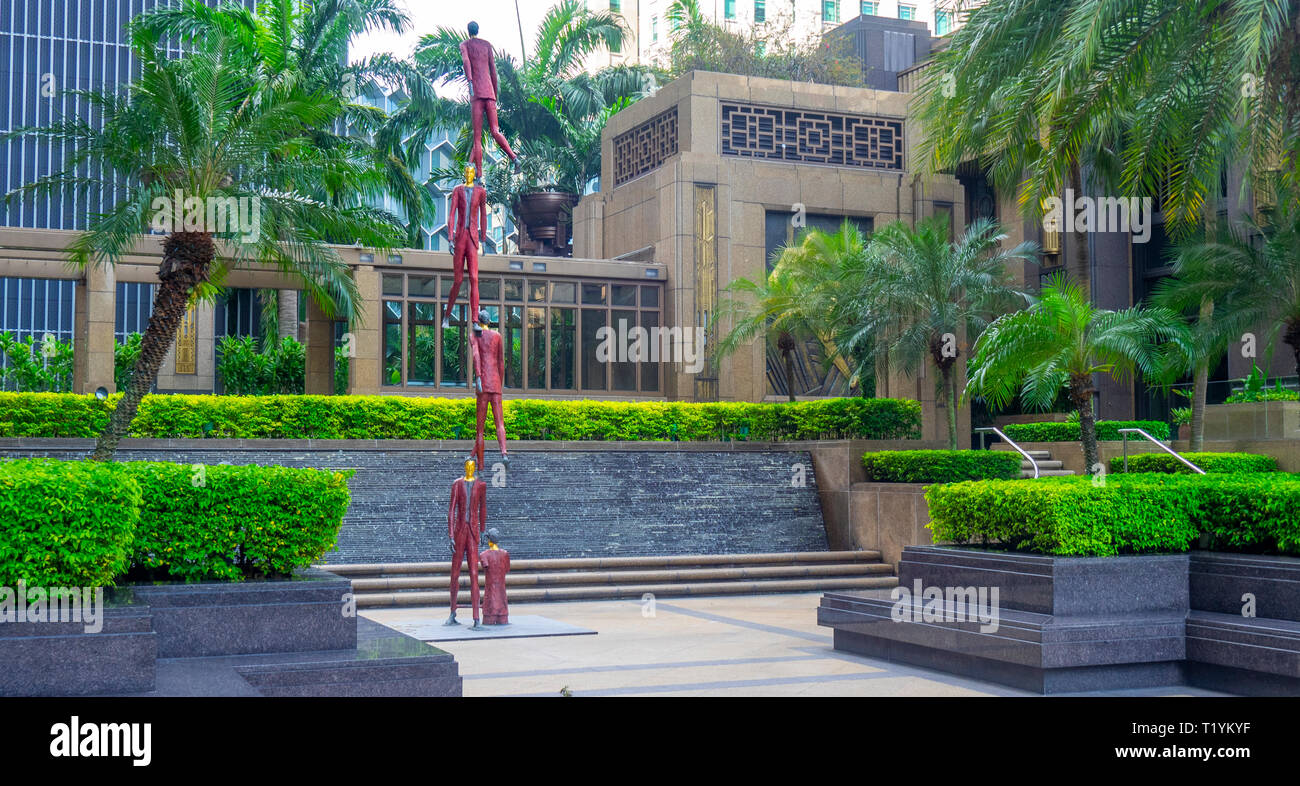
1129, 514
940, 466
1256, 513
230, 522
84, 523
65, 523
1249, 397
1063, 518
1107, 430
405, 417
1210, 462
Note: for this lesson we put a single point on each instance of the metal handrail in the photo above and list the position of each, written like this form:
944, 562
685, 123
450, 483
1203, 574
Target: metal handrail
1157, 443
1010, 442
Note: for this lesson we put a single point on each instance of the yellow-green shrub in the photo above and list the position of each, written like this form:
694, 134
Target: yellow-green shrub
404, 417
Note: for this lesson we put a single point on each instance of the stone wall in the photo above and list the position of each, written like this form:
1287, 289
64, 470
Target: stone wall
601, 501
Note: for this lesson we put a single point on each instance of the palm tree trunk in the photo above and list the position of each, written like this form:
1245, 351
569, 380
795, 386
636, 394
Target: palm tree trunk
186, 259
952, 411
1199, 388
950, 414
1292, 339
1202, 381
789, 374
288, 321
1082, 270
1081, 396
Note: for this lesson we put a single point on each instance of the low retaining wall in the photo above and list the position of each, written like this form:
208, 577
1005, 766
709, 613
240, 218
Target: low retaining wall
839, 469
1253, 421
1069, 624
887, 517
275, 638
302, 614
63, 659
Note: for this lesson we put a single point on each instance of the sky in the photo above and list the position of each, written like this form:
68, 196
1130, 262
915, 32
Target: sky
496, 19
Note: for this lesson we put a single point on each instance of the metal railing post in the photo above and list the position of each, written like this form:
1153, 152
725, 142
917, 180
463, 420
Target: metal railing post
1157, 443
1012, 443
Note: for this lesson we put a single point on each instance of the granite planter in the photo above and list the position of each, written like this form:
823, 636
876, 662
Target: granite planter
1063, 624
1068, 624
262, 638
62, 659
304, 613
1230, 651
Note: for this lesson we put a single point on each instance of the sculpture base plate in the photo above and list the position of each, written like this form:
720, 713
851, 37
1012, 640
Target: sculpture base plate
521, 626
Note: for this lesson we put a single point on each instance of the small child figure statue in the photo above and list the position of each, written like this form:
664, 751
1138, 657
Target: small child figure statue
496, 564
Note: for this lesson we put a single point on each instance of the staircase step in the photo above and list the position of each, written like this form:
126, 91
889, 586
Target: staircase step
1047, 473
595, 592
541, 579
610, 563
1043, 464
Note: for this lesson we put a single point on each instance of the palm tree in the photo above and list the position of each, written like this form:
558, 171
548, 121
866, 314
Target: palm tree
1061, 341
797, 298
1152, 96
919, 292
304, 47
205, 128
1249, 274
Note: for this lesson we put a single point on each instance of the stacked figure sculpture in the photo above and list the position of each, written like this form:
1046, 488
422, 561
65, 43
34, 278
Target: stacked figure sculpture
496, 564
479, 62
489, 356
467, 226
466, 519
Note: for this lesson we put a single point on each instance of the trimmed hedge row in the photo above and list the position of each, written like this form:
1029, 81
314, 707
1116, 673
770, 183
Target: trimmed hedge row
1210, 462
940, 466
1129, 514
65, 523
1062, 518
82, 523
226, 522
1107, 430
402, 417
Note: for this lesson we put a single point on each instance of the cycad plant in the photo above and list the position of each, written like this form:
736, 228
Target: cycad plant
203, 128
1061, 342
919, 294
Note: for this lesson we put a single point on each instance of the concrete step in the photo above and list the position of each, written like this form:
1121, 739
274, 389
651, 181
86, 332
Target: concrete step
1046, 473
1043, 464
426, 583
516, 579
608, 563
602, 592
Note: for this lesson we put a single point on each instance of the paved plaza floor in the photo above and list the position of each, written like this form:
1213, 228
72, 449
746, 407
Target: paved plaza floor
753, 645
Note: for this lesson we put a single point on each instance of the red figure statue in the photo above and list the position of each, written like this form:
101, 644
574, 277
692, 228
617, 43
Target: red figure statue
489, 357
466, 519
467, 227
496, 564
480, 66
